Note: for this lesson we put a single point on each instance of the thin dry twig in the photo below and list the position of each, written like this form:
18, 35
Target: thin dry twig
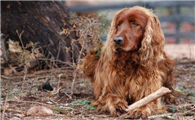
4, 48
181, 105
3, 114
32, 102
75, 73
14, 110
39, 73
55, 91
159, 116
65, 63
20, 37
25, 73
187, 62
69, 96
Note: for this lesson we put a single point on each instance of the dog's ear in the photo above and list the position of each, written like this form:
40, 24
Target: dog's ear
153, 41
158, 36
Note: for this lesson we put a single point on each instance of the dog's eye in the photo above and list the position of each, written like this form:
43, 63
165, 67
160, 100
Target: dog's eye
118, 25
134, 24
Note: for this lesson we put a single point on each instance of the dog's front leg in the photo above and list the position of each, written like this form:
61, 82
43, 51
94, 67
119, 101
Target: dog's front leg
110, 102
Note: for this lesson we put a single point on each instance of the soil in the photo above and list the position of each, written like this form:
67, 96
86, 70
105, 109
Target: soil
21, 91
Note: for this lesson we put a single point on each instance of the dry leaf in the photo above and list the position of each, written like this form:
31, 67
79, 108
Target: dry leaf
67, 49
7, 71
5, 107
14, 47
74, 65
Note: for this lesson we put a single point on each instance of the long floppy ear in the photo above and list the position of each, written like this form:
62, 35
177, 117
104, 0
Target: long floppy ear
153, 41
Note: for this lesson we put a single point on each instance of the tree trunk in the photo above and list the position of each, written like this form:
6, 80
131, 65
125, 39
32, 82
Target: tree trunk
41, 22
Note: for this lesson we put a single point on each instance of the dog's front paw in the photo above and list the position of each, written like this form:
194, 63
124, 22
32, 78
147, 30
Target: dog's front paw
112, 104
120, 107
143, 113
170, 99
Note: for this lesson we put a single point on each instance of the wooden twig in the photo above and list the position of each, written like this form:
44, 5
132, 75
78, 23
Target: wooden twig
159, 116
75, 72
73, 82
15, 111
20, 38
69, 96
187, 62
30, 102
3, 114
38, 73
4, 48
147, 99
65, 63
25, 73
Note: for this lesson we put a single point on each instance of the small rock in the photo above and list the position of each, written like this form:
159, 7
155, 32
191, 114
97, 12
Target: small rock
39, 111
15, 118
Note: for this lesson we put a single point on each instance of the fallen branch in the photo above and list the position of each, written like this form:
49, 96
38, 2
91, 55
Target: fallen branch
15, 111
160, 116
30, 102
147, 99
187, 62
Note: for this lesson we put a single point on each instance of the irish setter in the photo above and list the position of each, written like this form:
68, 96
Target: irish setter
132, 64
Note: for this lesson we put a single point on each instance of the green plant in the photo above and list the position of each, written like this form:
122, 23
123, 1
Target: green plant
98, 52
84, 103
191, 92
10, 94
172, 109
57, 108
193, 98
182, 88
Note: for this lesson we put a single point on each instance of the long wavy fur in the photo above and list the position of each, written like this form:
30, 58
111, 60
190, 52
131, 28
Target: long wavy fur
120, 78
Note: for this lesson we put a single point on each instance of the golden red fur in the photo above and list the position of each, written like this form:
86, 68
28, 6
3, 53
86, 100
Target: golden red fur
132, 63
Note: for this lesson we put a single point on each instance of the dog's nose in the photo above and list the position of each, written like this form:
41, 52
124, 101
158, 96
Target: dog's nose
118, 40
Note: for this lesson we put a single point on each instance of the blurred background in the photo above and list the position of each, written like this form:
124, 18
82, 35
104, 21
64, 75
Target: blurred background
177, 20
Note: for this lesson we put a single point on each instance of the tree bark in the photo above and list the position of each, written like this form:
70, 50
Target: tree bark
41, 22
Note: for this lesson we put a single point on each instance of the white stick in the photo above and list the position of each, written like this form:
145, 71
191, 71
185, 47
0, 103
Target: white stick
149, 98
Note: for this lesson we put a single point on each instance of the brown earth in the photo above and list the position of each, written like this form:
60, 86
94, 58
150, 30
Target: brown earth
20, 92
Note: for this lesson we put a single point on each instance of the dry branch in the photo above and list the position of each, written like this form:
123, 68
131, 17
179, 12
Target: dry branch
149, 98
160, 92
187, 62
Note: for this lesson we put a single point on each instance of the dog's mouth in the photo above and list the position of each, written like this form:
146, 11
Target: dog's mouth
119, 48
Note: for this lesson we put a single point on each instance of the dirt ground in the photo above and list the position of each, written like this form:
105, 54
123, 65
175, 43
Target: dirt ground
20, 92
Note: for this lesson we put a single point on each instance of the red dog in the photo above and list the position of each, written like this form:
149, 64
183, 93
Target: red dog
132, 64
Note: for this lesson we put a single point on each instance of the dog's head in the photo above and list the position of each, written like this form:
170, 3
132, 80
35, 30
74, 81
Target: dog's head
136, 28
